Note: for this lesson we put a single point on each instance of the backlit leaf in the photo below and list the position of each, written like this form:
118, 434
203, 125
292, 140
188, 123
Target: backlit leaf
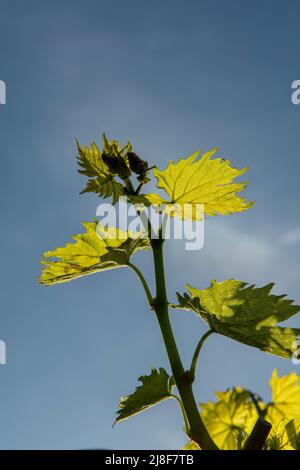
283, 435
95, 250
230, 419
206, 181
161, 205
293, 433
245, 313
101, 180
191, 445
155, 387
285, 397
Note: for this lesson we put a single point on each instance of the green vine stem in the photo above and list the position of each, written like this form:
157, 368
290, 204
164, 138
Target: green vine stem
197, 430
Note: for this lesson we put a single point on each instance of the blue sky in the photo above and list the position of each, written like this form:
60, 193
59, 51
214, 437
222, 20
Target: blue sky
172, 76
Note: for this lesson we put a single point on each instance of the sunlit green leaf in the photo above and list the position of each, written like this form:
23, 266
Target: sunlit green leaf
155, 387
293, 433
161, 205
206, 181
283, 435
191, 445
95, 250
245, 313
230, 419
102, 180
285, 397
283, 412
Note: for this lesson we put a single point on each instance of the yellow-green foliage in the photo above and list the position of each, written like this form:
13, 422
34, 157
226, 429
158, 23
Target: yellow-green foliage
231, 418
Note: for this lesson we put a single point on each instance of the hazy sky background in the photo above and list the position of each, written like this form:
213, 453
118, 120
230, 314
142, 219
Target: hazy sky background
172, 76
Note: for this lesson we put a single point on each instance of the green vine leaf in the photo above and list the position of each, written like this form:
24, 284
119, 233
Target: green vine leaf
191, 445
98, 249
246, 314
155, 388
205, 181
180, 211
283, 412
231, 419
283, 435
102, 180
285, 397
293, 433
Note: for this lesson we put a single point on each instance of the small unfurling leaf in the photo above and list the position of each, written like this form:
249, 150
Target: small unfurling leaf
103, 167
155, 387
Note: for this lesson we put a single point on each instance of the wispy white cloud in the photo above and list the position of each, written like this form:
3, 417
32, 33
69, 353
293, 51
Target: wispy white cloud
291, 237
232, 252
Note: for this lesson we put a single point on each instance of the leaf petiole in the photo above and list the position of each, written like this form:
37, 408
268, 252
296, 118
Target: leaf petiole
144, 283
193, 366
185, 420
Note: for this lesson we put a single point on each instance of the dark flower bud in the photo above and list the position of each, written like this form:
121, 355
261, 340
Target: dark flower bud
137, 165
116, 165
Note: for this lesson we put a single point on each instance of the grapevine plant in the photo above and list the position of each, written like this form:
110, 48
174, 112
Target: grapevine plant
238, 419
